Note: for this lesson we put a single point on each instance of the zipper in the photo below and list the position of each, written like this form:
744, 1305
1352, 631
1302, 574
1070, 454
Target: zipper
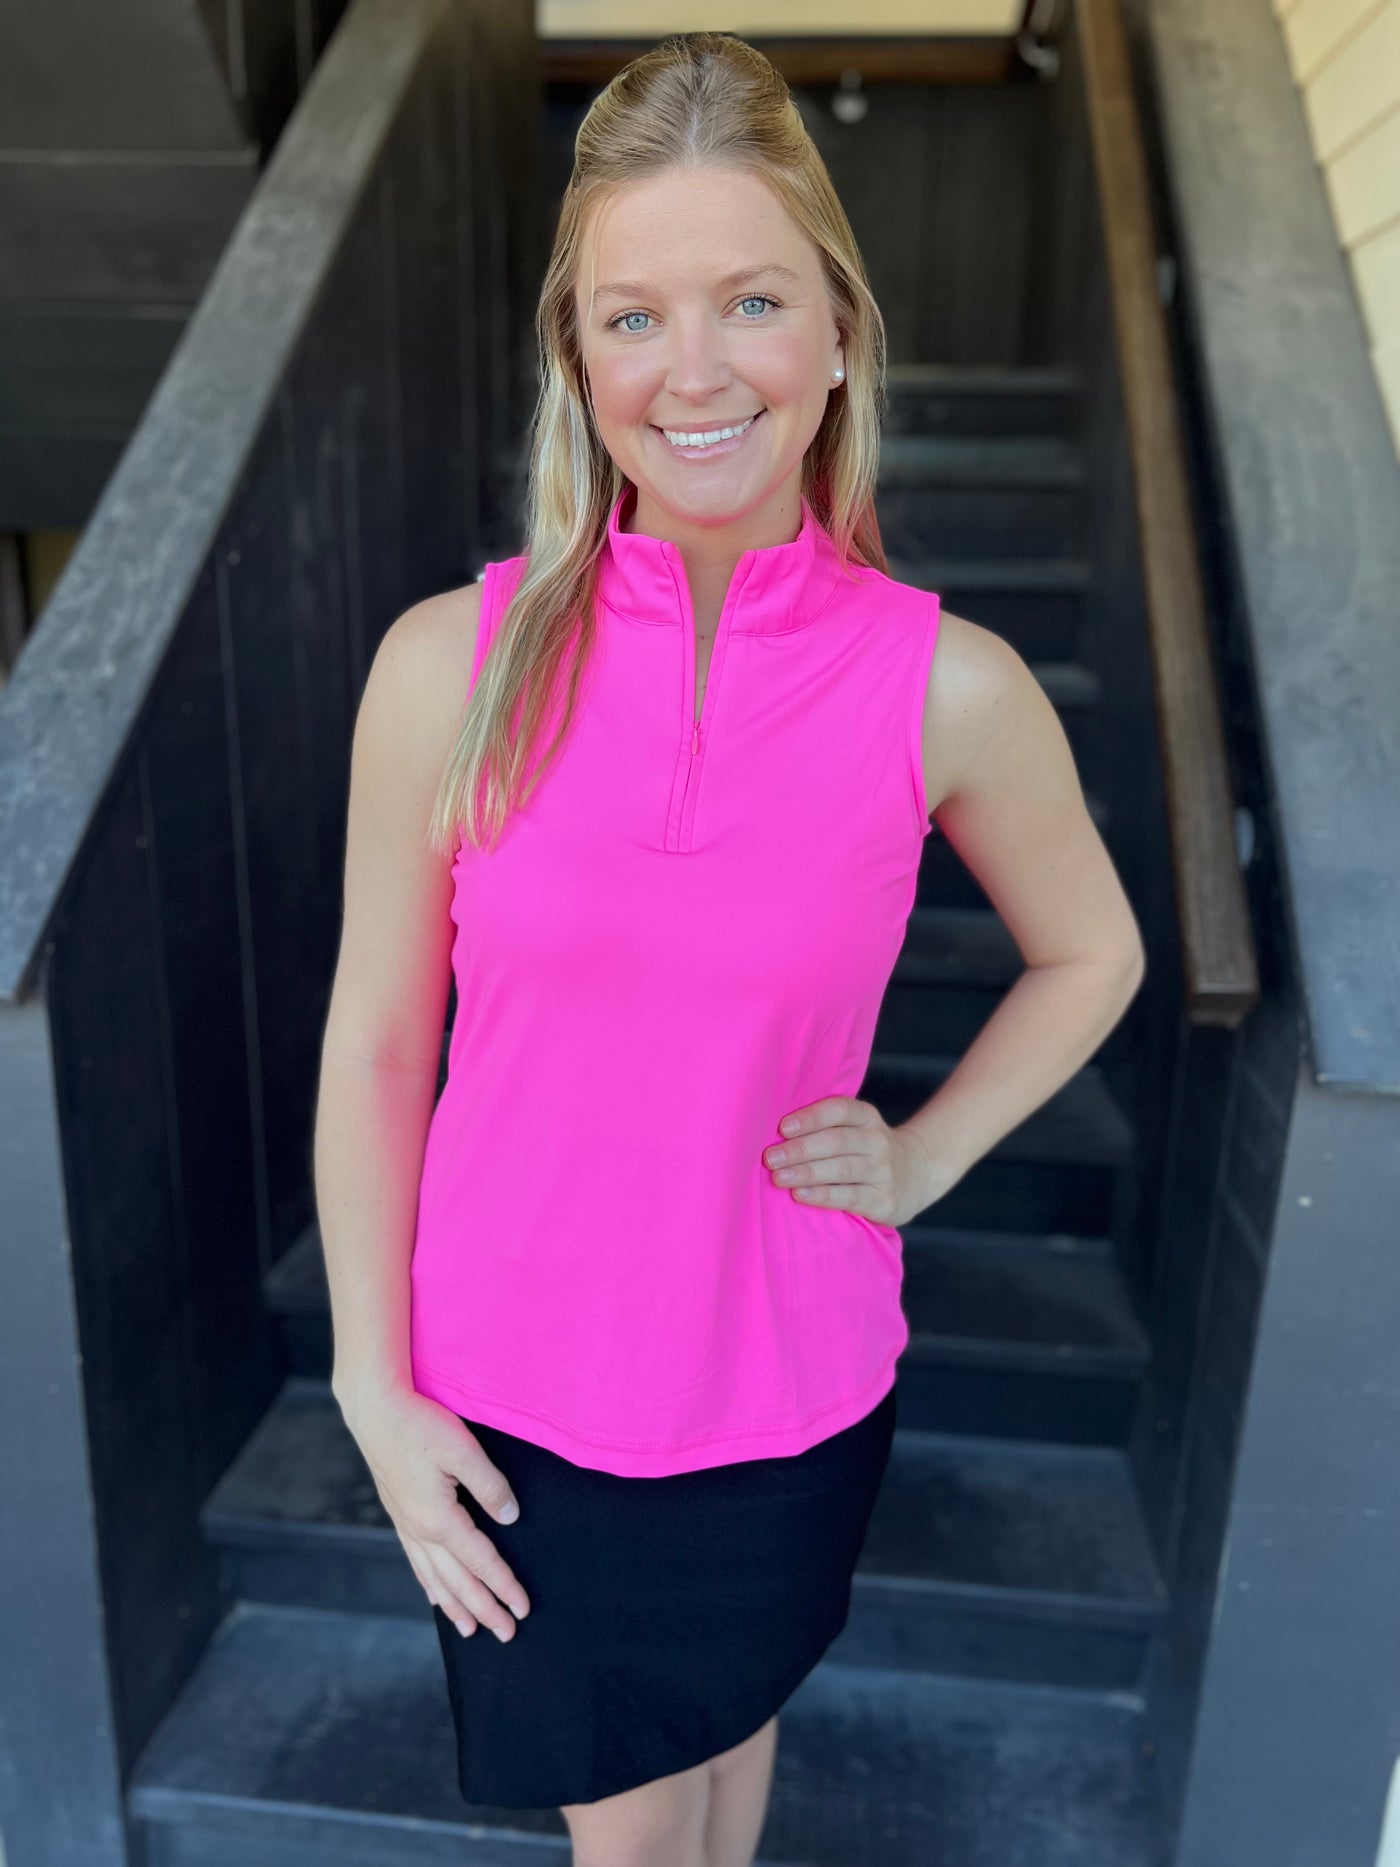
685, 785
683, 837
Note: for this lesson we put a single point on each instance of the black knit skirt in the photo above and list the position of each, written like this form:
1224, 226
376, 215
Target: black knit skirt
669, 1617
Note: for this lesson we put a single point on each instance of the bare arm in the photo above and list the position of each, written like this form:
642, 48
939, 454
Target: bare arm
379, 1068
1009, 801
383, 1037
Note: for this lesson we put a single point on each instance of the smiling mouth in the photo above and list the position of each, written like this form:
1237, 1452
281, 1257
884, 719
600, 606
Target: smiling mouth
725, 431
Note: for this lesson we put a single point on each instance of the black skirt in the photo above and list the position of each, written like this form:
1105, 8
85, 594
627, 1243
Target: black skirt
669, 1617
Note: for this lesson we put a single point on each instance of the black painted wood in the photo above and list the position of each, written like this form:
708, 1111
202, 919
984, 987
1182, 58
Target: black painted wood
85, 366
175, 748
84, 231
60, 1788
140, 77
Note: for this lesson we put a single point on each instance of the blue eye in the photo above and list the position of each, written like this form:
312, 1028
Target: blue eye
749, 298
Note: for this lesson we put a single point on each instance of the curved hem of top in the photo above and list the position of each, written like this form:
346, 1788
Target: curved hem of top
658, 1461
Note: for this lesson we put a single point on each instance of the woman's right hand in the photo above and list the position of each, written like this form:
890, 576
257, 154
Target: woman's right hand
417, 1452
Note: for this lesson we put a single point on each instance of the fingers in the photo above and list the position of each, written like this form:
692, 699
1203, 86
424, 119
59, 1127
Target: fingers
420, 1456
462, 1572
487, 1483
461, 1583
806, 1171
471, 1550
828, 1112
843, 1162
469, 1570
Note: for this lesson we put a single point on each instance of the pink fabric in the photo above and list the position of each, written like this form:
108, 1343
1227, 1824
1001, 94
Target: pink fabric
684, 935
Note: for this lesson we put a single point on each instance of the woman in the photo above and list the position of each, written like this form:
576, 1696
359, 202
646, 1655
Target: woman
630, 1290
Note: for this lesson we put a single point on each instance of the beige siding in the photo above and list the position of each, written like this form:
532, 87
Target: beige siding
652, 19
1345, 57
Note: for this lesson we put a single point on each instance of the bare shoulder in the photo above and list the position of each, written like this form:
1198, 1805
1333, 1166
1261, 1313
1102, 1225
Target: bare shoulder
417, 686
426, 653
979, 689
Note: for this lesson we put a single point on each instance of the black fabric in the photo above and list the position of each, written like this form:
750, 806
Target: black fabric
669, 1617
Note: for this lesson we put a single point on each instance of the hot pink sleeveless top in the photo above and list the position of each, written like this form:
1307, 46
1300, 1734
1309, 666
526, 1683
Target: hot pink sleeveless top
685, 934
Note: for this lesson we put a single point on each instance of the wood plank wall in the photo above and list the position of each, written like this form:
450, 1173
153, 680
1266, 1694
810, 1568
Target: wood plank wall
1345, 58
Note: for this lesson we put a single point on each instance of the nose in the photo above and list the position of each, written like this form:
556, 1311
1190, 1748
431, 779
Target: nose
696, 369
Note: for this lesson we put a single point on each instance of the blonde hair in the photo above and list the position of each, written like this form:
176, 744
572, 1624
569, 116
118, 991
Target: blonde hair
693, 100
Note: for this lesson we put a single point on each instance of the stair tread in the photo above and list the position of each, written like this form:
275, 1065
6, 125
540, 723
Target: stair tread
301, 1721
1018, 1301
985, 378
980, 460
297, 1281
1082, 1121
1050, 576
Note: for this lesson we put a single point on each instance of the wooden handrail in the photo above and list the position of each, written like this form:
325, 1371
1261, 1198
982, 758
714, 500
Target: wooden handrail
1217, 943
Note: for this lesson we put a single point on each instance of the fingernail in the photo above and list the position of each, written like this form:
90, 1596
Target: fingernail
508, 1512
463, 1629
500, 1634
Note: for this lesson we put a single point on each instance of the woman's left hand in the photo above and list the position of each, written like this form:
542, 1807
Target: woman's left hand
840, 1151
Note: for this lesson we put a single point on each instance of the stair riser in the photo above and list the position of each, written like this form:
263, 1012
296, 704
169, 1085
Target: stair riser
929, 520
883, 1629
1011, 1403
299, 1569
934, 411
945, 881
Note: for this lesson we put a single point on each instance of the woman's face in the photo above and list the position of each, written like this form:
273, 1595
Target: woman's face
674, 338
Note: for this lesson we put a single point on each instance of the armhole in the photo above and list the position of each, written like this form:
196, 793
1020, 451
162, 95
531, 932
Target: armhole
485, 628
485, 624
928, 636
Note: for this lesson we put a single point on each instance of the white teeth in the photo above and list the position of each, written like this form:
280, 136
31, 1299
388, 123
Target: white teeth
678, 438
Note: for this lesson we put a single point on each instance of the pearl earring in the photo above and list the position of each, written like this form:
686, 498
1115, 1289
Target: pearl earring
836, 375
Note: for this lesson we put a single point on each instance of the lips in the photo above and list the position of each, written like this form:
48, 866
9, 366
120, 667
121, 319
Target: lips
736, 422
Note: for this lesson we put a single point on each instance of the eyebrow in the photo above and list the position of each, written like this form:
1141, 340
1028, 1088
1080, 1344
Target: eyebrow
632, 288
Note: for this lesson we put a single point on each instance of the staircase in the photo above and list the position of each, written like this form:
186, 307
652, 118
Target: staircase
982, 1706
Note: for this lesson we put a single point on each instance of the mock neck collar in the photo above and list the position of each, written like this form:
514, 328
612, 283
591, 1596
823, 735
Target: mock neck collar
777, 588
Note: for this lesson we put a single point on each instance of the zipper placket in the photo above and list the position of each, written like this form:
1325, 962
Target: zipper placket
681, 818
